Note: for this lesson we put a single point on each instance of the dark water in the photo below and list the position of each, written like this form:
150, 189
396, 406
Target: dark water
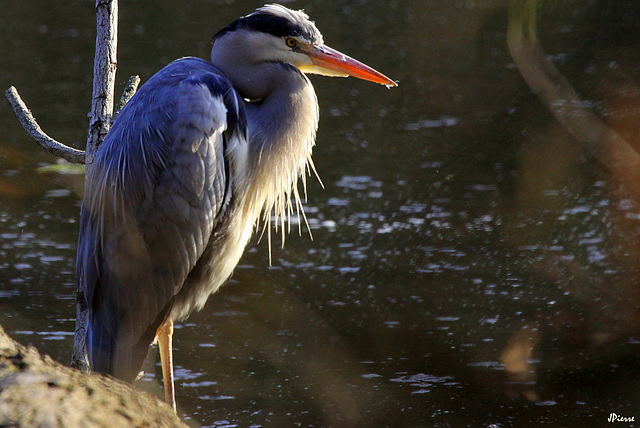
471, 263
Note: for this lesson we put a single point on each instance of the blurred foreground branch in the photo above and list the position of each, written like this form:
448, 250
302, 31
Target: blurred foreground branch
36, 391
556, 92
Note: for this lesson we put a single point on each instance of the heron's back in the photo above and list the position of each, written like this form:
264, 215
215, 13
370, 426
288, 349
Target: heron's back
154, 211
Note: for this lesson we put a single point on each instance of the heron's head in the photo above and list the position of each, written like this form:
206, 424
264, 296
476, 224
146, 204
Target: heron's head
274, 33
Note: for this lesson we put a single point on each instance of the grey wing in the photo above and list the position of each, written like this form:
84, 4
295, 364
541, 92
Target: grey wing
159, 184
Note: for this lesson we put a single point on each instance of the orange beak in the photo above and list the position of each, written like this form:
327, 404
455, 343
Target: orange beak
330, 62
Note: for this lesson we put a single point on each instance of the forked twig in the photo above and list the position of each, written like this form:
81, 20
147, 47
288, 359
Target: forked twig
32, 128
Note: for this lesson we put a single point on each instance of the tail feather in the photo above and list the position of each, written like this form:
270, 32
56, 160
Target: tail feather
111, 350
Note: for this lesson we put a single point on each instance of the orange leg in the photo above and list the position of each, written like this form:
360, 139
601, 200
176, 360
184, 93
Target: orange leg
165, 333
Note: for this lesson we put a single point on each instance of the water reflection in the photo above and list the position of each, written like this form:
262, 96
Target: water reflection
471, 265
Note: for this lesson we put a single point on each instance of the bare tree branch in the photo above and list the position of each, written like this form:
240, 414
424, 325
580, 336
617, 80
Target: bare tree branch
128, 93
32, 128
104, 76
50, 145
100, 119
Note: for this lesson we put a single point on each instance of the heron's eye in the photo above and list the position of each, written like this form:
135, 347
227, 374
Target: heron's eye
292, 43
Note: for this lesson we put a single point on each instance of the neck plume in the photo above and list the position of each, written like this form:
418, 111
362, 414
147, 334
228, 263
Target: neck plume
282, 113
282, 129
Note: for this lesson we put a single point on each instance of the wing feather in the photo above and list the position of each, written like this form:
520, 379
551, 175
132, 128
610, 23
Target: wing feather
158, 186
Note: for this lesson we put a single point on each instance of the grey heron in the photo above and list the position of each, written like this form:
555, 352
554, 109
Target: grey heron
199, 155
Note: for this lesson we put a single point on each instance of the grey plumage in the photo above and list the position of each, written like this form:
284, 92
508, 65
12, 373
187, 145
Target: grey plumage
157, 189
199, 155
